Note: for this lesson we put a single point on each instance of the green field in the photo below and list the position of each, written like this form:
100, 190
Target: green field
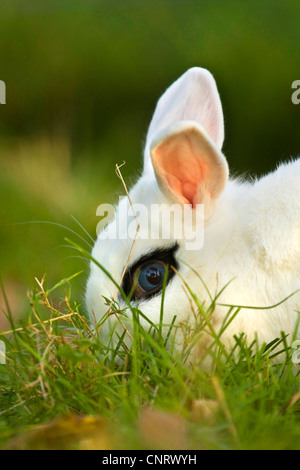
82, 80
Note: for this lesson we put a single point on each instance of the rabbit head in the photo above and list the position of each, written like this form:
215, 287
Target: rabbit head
243, 240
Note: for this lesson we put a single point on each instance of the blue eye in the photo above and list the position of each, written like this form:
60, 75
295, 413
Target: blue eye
151, 276
145, 278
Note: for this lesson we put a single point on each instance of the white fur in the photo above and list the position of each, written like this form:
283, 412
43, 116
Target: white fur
251, 235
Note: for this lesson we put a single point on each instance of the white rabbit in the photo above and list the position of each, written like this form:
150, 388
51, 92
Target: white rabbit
251, 230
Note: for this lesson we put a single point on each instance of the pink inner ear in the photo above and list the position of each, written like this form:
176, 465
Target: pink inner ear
183, 170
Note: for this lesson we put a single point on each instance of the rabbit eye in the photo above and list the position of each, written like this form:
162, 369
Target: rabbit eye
146, 277
149, 278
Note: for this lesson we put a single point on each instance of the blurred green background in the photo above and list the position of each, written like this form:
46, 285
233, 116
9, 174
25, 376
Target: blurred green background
83, 77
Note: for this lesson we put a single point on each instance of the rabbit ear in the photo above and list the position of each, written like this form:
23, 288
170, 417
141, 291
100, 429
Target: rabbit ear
194, 97
188, 165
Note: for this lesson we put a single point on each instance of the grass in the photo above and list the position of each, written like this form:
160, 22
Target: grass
58, 143
62, 387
